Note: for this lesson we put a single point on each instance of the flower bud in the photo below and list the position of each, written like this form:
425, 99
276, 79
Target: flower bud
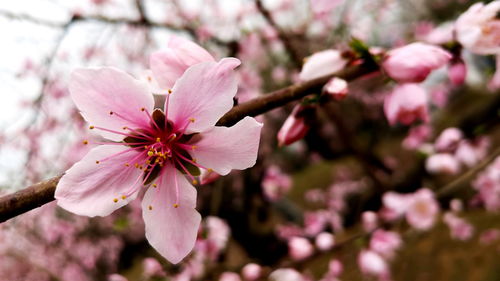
414, 62
406, 104
296, 125
321, 64
337, 88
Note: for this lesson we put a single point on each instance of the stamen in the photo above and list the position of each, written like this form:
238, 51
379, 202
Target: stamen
167, 102
186, 170
176, 204
151, 119
97, 161
150, 207
115, 154
133, 121
91, 127
191, 161
115, 200
85, 142
124, 197
119, 133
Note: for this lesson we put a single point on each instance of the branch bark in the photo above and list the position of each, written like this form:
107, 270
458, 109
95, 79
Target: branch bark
43, 192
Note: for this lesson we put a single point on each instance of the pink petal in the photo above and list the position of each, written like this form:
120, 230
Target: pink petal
223, 149
98, 91
205, 92
169, 65
171, 231
90, 189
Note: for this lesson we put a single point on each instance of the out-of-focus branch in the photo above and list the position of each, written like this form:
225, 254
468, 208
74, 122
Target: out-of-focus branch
41, 193
295, 56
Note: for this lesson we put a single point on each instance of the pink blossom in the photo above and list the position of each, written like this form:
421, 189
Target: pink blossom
251, 272
456, 205
321, 64
440, 35
372, 263
423, 209
337, 88
286, 274
460, 229
471, 153
385, 243
448, 139
229, 276
275, 183
406, 104
488, 186
442, 163
168, 65
322, 7
417, 136
478, 29
153, 148
369, 220
151, 268
296, 125
395, 205
325, 241
414, 62
457, 72
299, 248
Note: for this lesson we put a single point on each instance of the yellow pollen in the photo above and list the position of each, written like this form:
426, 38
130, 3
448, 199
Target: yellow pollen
210, 170
176, 205
143, 109
85, 142
145, 147
195, 182
97, 162
148, 162
155, 185
150, 207
127, 164
158, 140
169, 91
91, 127
150, 153
193, 147
191, 120
136, 165
124, 197
115, 200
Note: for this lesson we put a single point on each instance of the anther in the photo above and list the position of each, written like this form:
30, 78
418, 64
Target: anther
115, 200
143, 109
91, 127
169, 91
210, 170
158, 140
150, 207
155, 185
97, 161
150, 153
85, 142
136, 165
124, 197
125, 127
111, 113
127, 164
176, 205
191, 120
194, 160
195, 182
193, 147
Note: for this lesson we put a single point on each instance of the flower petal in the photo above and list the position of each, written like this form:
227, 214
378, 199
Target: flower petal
204, 92
171, 231
99, 91
168, 65
223, 148
90, 189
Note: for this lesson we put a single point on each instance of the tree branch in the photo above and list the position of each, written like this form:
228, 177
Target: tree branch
41, 193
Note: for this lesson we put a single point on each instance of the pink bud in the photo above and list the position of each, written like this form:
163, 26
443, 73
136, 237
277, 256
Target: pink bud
448, 139
406, 104
370, 221
321, 64
423, 209
414, 62
251, 271
457, 72
299, 248
335, 267
442, 163
229, 276
151, 267
296, 125
325, 241
337, 88
372, 263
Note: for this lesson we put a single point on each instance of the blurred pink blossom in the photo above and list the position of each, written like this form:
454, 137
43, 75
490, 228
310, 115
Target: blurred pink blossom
414, 62
423, 209
251, 272
442, 163
321, 64
406, 104
369, 220
457, 72
299, 248
325, 241
337, 88
229, 276
448, 139
460, 229
385, 243
286, 274
478, 29
372, 263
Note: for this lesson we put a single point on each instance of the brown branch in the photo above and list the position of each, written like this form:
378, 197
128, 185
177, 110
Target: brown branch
41, 193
